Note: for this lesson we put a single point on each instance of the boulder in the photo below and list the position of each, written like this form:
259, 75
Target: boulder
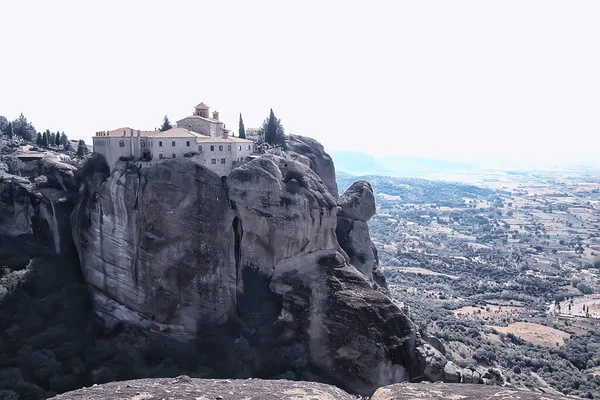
358, 202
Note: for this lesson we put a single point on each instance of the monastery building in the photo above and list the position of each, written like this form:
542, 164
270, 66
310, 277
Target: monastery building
198, 137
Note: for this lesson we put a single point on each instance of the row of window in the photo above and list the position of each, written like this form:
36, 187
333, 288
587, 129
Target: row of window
187, 143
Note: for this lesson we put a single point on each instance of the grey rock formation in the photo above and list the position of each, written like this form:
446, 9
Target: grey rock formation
356, 207
184, 387
358, 202
35, 201
154, 246
440, 391
319, 161
256, 256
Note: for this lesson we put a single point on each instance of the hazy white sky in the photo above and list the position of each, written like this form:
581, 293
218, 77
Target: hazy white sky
465, 80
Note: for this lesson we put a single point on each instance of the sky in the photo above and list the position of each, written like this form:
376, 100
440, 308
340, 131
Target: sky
455, 80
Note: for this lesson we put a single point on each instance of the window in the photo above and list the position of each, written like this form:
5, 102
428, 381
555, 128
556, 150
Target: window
229, 147
187, 143
240, 148
220, 148
142, 143
212, 148
159, 144
173, 143
213, 161
160, 155
222, 161
199, 148
173, 155
248, 147
121, 143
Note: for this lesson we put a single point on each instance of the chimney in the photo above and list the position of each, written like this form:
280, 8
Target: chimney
216, 115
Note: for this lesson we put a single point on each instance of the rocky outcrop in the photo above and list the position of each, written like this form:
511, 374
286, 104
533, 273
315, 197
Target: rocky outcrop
440, 391
356, 207
184, 387
312, 153
35, 201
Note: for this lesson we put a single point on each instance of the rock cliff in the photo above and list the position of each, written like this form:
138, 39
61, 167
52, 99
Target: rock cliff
175, 249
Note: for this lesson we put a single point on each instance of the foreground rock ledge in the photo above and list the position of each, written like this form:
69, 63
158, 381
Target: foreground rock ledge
184, 387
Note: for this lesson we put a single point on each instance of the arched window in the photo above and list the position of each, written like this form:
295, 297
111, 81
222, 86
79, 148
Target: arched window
173, 155
212, 148
220, 148
240, 148
142, 143
121, 143
173, 143
187, 143
248, 147
160, 144
229, 147
199, 148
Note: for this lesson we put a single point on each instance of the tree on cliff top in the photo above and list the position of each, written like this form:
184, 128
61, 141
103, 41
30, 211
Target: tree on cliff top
242, 130
272, 130
24, 128
9, 130
166, 124
82, 149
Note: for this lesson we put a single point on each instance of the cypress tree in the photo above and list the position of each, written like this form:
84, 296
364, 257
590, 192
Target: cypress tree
45, 139
9, 131
80, 148
57, 139
242, 130
271, 133
51, 138
38, 140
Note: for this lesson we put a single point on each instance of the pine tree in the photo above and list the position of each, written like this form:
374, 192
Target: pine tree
38, 140
45, 139
242, 130
166, 124
57, 139
24, 128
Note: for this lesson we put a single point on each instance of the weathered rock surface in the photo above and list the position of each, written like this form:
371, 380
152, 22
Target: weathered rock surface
319, 160
358, 202
441, 391
35, 201
154, 247
184, 387
356, 207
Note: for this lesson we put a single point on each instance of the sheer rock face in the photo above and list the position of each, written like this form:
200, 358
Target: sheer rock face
154, 246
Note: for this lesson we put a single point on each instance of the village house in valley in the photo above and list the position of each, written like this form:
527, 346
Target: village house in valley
198, 137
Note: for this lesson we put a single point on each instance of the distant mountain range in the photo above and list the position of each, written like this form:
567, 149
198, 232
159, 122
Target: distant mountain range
357, 163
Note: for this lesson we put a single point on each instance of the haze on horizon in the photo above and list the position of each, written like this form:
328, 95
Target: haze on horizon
460, 80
